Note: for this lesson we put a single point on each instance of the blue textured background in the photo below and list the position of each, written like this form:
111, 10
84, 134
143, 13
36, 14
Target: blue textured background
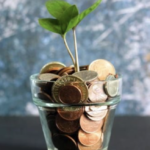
119, 31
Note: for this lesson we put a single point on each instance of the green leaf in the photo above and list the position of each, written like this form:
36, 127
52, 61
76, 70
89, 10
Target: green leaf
50, 24
57, 7
75, 21
67, 16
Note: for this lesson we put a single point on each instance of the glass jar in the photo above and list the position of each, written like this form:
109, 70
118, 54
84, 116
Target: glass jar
83, 126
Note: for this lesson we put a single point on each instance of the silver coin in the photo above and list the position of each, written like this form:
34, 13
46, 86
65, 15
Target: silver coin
112, 86
86, 75
48, 76
97, 108
96, 113
97, 118
96, 92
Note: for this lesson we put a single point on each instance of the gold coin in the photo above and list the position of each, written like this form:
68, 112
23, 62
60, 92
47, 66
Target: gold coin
70, 80
50, 66
103, 68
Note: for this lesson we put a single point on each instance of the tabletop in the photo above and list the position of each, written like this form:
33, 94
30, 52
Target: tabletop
25, 133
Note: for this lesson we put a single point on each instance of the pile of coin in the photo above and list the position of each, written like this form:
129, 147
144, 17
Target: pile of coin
94, 83
79, 127
76, 128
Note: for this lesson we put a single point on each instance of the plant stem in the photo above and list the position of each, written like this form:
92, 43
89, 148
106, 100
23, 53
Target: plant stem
76, 51
73, 60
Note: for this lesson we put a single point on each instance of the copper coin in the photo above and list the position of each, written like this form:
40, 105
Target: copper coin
64, 70
74, 81
90, 126
96, 92
69, 94
103, 68
89, 139
50, 113
65, 126
116, 76
64, 74
50, 66
96, 146
48, 76
70, 113
45, 97
53, 70
64, 142
70, 72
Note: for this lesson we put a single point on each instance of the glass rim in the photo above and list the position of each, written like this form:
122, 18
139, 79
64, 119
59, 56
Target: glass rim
41, 103
34, 77
112, 102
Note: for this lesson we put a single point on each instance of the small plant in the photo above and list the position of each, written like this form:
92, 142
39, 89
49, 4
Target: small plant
66, 17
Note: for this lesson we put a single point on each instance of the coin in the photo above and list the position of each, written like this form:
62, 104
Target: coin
45, 97
73, 80
65, 126
97, 118
116, 76
64, 142
53, 70
112, 86
50, 113
89, 139
90, 126
50, 66
96, 146
96, 113
84, 67
48, 76
103, 68
97, 108
86, 75
65, 70
69, 94
96, 92
70, 113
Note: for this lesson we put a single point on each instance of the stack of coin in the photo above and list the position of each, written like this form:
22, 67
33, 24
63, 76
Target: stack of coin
80, 128
93, 84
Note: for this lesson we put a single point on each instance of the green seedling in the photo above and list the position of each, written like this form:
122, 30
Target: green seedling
66, 18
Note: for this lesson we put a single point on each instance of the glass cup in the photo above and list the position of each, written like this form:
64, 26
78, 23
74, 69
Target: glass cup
83, 126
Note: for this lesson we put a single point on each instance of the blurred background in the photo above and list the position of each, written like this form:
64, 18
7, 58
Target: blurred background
118, 31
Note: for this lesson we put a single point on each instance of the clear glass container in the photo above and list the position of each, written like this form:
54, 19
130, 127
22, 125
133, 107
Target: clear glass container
83, 126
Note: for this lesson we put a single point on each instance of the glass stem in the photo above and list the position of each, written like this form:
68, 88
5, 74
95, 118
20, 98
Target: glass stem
73, 60
76, 51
